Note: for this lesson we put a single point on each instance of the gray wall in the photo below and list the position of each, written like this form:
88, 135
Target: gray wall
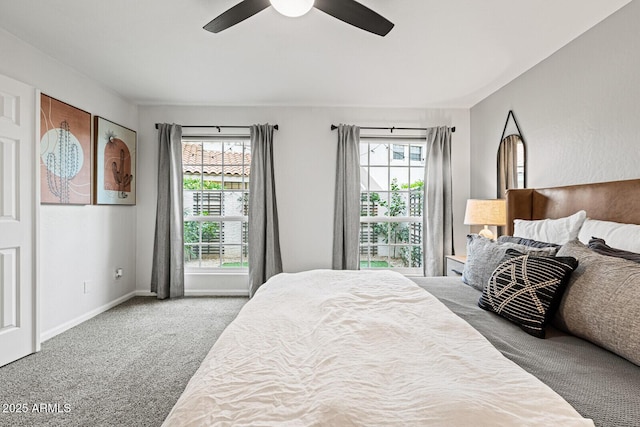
579, 111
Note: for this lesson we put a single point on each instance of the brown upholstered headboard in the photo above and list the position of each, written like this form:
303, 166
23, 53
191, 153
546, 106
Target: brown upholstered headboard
617, 201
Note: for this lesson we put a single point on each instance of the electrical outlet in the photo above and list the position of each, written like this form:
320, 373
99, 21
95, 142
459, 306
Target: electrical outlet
88, 286
119, 273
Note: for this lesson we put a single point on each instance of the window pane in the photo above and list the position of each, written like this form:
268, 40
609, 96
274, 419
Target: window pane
234, 203
415, 153
415, 203
364, 153
189, 205
398, 152
407, 256
191, 255
192, 243
381, 257
191, 233
211, 232
369, 204
232, 232
398, 203
368, 235
211, 155
210, 256
192, 181
379, 153
415, 233
232, 257
399, 178
378, 178
208, 203
383, 198
416, 177
191, 158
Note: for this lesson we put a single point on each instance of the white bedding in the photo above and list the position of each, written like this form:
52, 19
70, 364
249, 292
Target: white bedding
345, 348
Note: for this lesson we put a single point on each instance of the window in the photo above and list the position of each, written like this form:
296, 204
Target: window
398, 152
391, 205
415, 153
216, 203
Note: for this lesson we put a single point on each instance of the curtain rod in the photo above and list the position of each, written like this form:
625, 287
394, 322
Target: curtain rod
334, 127
218, 127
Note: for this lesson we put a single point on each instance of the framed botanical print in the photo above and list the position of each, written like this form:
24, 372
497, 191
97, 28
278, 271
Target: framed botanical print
65, 153
115, 163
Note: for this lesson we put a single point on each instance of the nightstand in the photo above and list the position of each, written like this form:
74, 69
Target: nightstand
455, 264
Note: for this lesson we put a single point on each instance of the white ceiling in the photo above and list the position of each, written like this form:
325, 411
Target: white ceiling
441, 53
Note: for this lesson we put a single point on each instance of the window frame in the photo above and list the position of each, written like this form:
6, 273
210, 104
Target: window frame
365, 244
220, 218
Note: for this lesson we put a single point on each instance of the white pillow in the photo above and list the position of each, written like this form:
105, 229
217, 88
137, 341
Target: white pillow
615, 234
558, 231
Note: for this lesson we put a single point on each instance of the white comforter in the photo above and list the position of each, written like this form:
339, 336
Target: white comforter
329, 348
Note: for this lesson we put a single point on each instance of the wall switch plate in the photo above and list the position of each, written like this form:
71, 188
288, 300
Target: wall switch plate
119, 273
88, 286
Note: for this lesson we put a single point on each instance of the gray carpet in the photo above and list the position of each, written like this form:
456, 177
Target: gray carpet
124, 367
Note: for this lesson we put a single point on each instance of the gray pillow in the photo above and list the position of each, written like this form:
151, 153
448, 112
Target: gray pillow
601, 247
602, 301
484, 255
527, 242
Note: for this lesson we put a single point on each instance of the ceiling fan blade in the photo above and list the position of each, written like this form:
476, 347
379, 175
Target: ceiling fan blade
236, 14
352, 12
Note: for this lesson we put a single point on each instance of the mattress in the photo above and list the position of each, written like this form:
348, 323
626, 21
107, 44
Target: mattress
599, 384
344, 348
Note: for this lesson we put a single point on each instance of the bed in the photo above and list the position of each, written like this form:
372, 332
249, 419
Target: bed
343, 348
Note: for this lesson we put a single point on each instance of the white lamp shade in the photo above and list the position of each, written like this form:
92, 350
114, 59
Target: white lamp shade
292, 8
486, 212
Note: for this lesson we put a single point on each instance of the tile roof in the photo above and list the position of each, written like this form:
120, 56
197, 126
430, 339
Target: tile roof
192, 158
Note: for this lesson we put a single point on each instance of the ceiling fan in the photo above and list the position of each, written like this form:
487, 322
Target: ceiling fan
349, 11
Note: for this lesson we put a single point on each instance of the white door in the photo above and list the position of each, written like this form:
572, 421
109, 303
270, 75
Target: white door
18, 304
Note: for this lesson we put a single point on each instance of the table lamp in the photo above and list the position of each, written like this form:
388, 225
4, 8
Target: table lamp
486, 212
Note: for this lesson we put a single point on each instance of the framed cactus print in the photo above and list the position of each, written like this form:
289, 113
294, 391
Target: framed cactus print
65, 153
115, 164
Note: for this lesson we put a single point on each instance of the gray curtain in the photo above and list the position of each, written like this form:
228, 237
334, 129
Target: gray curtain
438, 217
346, 219
508, 164
264, 242
167, 275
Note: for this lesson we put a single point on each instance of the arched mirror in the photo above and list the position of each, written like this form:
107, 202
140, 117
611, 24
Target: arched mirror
512, 159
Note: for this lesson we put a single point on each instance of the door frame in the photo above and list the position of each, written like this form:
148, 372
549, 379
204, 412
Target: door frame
37, 342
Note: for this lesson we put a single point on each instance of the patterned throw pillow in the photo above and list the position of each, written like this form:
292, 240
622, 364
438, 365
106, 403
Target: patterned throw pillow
527, 290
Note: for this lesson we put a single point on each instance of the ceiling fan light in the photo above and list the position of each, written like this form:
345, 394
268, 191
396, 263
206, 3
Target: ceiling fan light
292, 8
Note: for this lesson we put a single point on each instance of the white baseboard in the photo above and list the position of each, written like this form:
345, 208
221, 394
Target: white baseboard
74, 322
